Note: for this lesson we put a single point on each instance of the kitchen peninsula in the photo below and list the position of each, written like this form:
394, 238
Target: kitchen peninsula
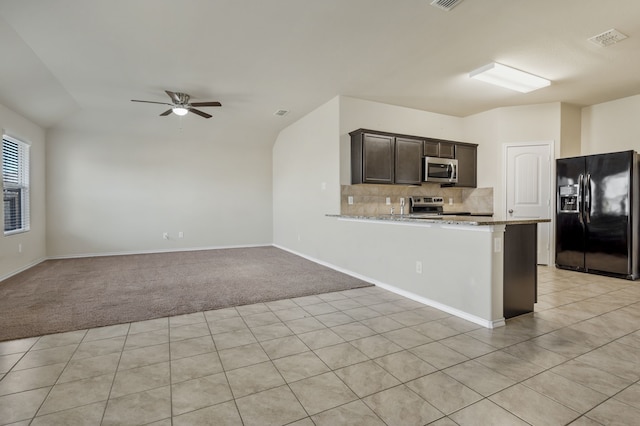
479, 268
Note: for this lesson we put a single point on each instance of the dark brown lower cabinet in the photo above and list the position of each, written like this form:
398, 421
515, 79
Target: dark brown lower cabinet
520, 276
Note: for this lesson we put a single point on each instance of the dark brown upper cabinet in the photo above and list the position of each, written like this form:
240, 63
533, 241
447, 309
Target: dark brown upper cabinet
466, 154
408, 161
439, 148
431, 148
447, 149
379, 157
372, 158
382, 157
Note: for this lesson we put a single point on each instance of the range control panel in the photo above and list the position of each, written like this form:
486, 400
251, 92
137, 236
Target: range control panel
427, 201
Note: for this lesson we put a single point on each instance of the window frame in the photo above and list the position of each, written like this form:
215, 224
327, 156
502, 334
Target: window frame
17, 190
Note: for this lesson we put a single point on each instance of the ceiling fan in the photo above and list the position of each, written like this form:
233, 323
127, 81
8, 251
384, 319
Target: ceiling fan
180, 105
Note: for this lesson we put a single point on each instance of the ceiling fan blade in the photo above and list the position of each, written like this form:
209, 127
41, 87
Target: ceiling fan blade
174, 96
151, 102
200, 113
167, 112
206, 104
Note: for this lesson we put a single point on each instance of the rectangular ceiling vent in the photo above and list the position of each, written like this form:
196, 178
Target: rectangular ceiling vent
281, 112
607, 38
445, 4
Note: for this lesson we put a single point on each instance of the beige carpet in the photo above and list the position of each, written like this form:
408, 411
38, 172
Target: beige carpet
73, 294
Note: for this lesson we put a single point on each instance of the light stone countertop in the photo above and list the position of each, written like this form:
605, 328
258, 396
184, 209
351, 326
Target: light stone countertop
446, 219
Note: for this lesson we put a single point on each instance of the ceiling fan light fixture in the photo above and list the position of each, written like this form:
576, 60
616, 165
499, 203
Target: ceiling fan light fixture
511, 78
179, 111
181, 106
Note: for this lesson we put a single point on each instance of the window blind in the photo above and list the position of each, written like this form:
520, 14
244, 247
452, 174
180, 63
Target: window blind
15, 185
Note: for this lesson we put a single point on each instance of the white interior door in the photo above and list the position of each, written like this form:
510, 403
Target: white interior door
528, 189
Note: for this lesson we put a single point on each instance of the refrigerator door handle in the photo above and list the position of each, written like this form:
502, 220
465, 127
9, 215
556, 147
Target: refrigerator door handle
587, 198
580, 188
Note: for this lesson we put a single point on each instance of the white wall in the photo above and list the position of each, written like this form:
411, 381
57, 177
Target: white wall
316, 150
358, 113
492, 129
313, 139
114, 186
306, 183
611, 126
307, 153
33, 241
571, 130
387, 252
219, 192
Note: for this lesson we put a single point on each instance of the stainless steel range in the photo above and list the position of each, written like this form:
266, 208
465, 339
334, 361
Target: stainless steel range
430, 206
426, 206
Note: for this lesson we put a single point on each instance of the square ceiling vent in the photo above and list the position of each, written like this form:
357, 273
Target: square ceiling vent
445, 4
607, 38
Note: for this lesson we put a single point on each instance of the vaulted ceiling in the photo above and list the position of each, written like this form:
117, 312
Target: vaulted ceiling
60, 57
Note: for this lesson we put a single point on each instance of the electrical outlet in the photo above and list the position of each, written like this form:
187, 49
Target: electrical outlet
418, 267
450, 201
19, 247
497, 245
350, 200
323, 186
388, 201
180, 234
165, 235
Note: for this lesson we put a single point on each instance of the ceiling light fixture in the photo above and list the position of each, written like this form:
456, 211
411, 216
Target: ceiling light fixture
179, 111
511, 78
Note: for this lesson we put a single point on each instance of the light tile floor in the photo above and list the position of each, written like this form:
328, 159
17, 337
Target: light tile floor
357, 357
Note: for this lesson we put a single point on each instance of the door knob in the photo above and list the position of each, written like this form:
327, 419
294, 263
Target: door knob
510, 211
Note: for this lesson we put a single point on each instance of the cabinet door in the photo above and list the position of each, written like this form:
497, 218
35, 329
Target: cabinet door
467, 165
431, 148
447, 150
377, 158
408, 161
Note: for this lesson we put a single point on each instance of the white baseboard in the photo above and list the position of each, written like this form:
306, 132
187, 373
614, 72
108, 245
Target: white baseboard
446, 308
126, 253
24, 268
409, 295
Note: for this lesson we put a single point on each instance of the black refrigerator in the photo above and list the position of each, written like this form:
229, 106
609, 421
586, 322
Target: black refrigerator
597, 214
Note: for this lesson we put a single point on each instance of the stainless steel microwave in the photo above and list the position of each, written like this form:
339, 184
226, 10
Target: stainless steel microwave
441, 170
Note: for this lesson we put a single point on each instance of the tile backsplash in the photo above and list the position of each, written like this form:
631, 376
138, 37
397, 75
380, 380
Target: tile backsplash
370, 199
